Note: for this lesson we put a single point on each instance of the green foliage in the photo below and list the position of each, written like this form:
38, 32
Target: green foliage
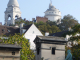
25, 53
76, 51
52, 27
19, 22
75, 30
28, 23
47, 27
51, 23
75, 48
67, 21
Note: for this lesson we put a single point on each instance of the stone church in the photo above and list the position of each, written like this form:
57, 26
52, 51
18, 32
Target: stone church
12, 12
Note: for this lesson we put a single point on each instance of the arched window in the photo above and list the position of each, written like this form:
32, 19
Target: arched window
16, 17
9, 17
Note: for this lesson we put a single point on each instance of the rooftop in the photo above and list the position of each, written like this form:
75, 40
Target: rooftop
10, 46
59, 34
7, 30
51, 38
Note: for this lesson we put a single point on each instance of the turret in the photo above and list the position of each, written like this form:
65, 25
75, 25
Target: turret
52, 13
12, 11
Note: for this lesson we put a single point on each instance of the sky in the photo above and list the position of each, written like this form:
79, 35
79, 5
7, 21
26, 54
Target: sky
32, 8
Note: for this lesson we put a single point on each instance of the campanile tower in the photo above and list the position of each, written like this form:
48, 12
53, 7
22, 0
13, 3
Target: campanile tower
12, 12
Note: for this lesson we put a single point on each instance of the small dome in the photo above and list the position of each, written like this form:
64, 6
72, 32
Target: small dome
13, 3
52, 8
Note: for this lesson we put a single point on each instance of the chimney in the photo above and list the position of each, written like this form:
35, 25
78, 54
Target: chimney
33, 19
0, 23
21, 26
16, 26
47, 33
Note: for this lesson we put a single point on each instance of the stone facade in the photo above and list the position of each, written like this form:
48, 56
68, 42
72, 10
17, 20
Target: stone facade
9, 52
50, 48
46, 52
12, 12
7, 55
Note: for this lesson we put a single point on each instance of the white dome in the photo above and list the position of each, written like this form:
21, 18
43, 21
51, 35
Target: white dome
13, 3
52, 13
52, 8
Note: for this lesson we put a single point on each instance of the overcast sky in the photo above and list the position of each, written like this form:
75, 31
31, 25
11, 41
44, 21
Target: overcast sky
32, 8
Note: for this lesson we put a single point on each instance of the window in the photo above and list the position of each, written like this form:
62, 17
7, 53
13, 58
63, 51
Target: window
13, 53
3, 30
16, 17
33, 32
9, 17
38, 50
8, 30
53, 51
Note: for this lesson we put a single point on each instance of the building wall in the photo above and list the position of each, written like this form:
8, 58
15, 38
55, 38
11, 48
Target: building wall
46, 52
53, 13
9, 59
43, 19
53, 18
7, 55
31, 34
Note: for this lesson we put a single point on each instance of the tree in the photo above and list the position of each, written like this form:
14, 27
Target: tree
75, 48
25, 53
47, 27
55, 29
68, 21
51, 23
19, 22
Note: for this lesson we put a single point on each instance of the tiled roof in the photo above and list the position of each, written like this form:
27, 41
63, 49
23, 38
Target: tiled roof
7, 30
27, 27
10, 46
58, 34
51, 38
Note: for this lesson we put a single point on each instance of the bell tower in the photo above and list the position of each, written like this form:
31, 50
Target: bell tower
12, 12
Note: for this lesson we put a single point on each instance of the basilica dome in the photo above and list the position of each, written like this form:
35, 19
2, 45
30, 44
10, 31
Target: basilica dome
13, 3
